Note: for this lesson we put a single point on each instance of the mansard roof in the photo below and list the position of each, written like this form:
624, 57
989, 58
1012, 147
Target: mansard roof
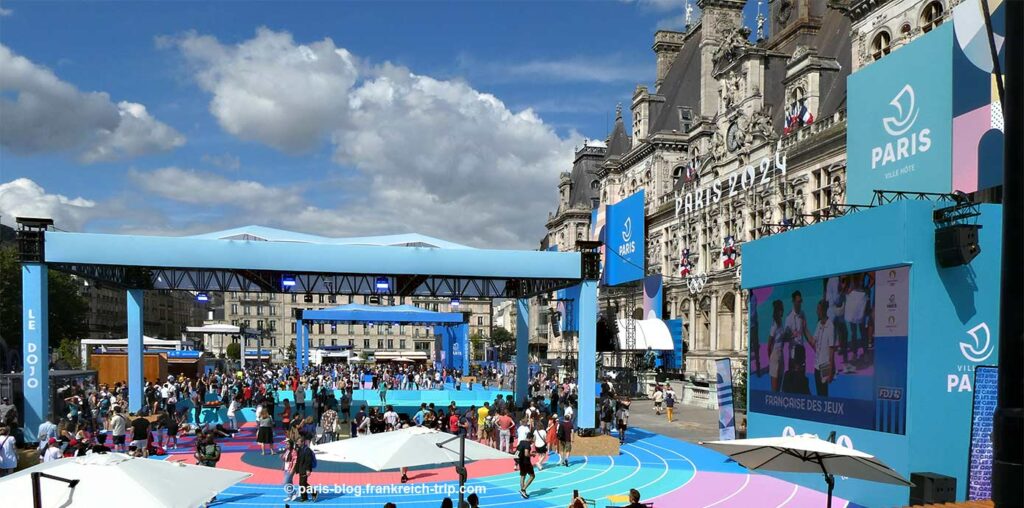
833, 40
681, 87
584, 172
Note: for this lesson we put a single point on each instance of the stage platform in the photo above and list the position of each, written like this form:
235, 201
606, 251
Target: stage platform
669, 472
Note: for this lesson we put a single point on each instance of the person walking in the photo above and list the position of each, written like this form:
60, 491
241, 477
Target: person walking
622, 417
565, 440
304, 464
525, 464
659, 399
670, 401
265, 432
289, 458
540, 447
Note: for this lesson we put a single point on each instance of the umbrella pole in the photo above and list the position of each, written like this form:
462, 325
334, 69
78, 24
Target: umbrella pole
462, 468
37, 491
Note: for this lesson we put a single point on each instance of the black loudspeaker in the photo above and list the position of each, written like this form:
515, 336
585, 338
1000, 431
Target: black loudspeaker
956, 245
932, 488
605, 340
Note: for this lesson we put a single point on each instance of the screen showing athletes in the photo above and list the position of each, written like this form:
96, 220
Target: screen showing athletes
832, 350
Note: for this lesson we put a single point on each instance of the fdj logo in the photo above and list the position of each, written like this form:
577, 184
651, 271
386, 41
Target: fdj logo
628, 246
905, 145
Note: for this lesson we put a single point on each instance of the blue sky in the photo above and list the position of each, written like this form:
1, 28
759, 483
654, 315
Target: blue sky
448, 118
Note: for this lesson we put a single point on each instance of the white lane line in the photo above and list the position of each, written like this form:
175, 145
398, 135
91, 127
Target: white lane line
790, 498
746, 481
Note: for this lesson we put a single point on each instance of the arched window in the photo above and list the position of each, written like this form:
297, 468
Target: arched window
595, 184
931, 16
881, 44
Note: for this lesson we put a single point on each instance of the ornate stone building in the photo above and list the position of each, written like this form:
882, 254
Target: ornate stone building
736, 139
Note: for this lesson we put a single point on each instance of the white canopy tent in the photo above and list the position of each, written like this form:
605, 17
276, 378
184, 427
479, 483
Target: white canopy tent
225, 329
650, 334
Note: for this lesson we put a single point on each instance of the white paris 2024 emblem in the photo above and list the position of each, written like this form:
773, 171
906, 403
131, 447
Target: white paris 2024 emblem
904, 102
907, 142
982, 348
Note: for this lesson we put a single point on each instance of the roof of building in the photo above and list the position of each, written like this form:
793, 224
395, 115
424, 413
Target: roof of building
584, 172
681, 87
618, 142
833, 85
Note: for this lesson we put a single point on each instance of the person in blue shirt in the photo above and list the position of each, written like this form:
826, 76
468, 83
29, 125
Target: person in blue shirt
420, 415
47, 430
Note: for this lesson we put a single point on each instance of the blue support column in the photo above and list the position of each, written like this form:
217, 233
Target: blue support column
522, 350
587, 355
464, 346
136, 378
300, 332
35, 345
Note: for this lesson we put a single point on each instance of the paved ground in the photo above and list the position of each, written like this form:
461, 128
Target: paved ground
690, 423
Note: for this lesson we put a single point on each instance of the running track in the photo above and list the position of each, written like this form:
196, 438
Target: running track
672, 473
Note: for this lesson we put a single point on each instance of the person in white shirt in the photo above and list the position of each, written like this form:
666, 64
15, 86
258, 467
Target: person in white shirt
391, 418
835, 295
568, 413
777, 337
52, 452
8, 453
796, 326
824, 343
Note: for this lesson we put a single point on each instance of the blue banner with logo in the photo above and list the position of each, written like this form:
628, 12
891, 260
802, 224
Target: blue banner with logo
674, 359
899, 133
653, 300
726, 417
624, 240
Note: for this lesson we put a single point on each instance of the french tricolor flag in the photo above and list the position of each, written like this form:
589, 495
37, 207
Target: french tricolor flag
805, 115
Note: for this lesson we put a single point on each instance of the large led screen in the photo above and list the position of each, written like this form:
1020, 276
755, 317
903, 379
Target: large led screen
832, 350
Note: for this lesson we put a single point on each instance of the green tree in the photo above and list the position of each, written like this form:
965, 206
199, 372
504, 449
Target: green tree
291, 351
504, 342
68, 309
234, 351
68, 350
477, 344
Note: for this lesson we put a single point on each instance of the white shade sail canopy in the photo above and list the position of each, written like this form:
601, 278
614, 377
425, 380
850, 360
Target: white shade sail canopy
146, 483
409, 447
650, 334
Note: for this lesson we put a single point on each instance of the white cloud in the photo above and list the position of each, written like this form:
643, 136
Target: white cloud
138, 133
6, 12
224, 161
199, 188
272, 90
605, 69
26, 198
51, 115
436, 156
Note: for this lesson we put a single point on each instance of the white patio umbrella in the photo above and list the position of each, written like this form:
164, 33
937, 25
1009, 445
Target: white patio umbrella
807, 454
409, 447
142, 483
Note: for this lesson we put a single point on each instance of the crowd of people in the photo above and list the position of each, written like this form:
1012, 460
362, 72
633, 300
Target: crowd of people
321, 408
